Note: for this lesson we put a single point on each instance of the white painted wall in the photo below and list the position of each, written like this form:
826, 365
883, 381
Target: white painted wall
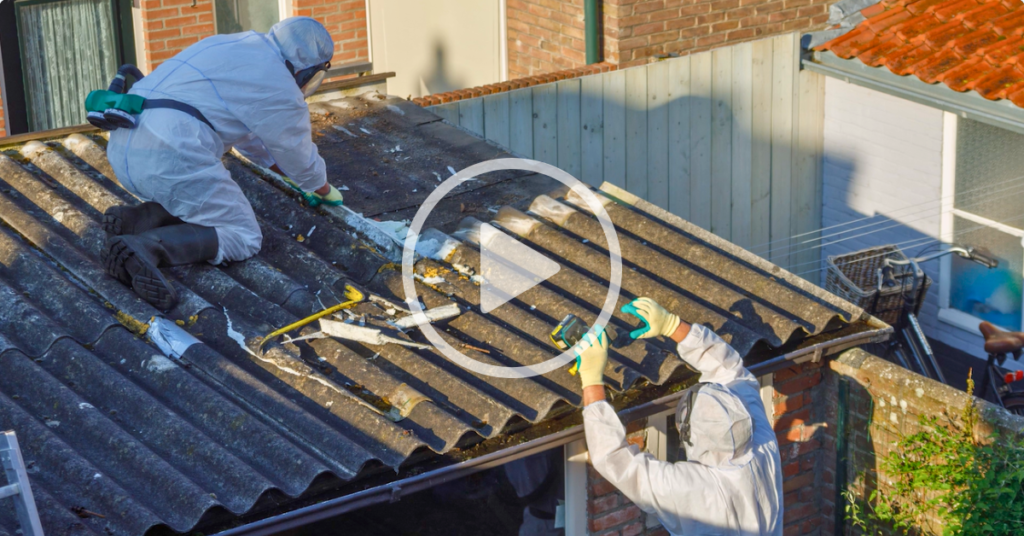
883, 154
437, 46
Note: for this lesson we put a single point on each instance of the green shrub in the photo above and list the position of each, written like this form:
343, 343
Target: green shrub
943, 481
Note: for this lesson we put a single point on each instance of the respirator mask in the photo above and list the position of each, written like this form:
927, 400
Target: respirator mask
309, 79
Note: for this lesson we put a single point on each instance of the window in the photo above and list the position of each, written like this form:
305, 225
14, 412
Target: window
69, 48
983, 194
233, 16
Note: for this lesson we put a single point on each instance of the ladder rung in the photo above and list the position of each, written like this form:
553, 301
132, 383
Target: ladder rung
9, 490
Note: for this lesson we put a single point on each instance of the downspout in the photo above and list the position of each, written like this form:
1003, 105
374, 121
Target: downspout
592, 24
394, 491
841, 456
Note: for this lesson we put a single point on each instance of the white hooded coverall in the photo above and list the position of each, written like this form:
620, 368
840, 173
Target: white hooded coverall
241, 85
731, 483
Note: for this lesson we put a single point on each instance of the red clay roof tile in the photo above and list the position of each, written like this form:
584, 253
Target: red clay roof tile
996, 84
965, 44
946, 12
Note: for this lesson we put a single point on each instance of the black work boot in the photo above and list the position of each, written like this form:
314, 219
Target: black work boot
126, 220
135, 260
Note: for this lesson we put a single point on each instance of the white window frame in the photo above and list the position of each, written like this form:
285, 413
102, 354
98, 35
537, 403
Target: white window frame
947, 314
284, 10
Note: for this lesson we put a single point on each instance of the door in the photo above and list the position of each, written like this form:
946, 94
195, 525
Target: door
69, 48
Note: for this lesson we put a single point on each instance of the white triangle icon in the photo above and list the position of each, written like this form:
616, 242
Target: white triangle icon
508, 268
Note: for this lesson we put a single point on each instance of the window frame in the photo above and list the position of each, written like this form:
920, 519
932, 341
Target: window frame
284, 10
947, 314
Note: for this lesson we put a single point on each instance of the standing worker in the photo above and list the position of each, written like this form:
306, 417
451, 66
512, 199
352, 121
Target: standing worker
243, 90
731, 481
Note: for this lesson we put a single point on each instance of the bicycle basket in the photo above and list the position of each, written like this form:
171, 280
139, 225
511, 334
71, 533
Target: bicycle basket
854, 277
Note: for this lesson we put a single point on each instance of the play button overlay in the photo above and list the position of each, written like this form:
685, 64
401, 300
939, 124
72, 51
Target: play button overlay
508, 268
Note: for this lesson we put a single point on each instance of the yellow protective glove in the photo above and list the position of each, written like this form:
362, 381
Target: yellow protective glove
657, 320
592, 357
333, 198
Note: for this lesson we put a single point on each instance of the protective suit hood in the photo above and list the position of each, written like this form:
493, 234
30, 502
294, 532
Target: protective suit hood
720, 428
303, 41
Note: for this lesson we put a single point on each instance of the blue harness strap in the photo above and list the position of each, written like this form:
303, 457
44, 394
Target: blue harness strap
177, 105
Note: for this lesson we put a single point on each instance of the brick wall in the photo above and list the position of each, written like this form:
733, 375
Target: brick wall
170, 26
547, 35
803, 415
3, 124
883, 154
346, 20
885, 402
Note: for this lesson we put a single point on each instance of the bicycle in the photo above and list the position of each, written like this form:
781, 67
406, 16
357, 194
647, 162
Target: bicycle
999, 345
909, 347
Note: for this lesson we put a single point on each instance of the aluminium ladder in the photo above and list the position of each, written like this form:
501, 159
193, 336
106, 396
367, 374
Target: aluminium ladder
18, 486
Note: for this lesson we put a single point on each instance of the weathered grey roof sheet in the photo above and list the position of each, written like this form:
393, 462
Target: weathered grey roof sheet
111, 425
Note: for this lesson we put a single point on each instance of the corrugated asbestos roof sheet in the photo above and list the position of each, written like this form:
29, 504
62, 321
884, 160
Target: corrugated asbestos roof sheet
111, 425
965, 44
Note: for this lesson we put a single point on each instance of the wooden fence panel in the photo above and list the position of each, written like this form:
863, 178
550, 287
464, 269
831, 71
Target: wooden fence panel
615, 128
657, 133
742, 118
721, 143
679, 137
592, 123
636, 131
728, 139
783, 93
761, 145
496, 119
700, 139
569, 131
520, 103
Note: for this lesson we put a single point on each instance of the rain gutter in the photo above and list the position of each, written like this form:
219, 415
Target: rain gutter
592, 24
394, 491
969, 104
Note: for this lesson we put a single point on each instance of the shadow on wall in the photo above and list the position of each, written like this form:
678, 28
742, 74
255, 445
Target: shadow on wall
437, 78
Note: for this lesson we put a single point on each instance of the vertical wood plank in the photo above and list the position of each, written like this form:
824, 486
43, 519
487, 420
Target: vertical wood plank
471, 115
700, 139
657, 133
448, 111
496, 119
783, 88
520, 104
592, 136
806, 198
636, 131
679, 137
742, 117
545, 123
721, 142
761, 145
569, 128
615, 128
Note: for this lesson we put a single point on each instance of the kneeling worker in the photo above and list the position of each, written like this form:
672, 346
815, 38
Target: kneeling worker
243, 90
731, 481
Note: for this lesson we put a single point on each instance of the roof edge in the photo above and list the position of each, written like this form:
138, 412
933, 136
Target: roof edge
970, 105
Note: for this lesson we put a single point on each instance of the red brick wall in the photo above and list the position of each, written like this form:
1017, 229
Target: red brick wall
804, 417
544, 36
804, 405
346, 20
169, 26
547, 35
3, 124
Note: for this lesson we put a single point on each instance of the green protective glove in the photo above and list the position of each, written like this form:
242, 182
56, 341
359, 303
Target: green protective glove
592, 356
657, 320
333, 197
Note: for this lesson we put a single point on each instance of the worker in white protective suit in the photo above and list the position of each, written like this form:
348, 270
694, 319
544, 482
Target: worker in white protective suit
244, 90
731, 481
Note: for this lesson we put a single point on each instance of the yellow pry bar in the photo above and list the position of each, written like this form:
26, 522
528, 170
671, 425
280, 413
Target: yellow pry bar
353, 296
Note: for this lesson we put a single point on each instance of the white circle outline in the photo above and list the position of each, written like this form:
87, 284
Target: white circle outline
408, 256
